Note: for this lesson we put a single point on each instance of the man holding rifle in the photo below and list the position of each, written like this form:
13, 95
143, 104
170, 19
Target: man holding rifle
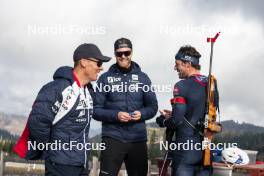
187, 115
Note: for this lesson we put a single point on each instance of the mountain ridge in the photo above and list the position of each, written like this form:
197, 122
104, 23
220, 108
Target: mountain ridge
15, 124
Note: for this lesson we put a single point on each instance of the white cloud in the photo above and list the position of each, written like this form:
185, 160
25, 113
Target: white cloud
29, 59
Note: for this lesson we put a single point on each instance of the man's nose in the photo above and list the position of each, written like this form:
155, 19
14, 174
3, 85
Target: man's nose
123, 56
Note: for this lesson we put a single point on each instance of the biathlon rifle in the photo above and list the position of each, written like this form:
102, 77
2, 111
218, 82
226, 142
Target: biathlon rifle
211, 127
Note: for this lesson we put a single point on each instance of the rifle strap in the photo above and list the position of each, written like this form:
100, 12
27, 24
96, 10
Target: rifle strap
193, 127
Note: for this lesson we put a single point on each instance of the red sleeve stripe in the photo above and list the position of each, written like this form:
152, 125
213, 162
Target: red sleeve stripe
179, 100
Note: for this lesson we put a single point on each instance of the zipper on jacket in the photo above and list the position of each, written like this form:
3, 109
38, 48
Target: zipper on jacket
84, 138
126, 81
127, 85
88, 121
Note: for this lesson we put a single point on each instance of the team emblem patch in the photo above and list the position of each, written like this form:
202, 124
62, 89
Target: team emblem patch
113, 79
135, 77
176, 91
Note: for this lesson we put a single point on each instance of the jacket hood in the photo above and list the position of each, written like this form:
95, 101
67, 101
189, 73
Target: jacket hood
64, 72
135, 68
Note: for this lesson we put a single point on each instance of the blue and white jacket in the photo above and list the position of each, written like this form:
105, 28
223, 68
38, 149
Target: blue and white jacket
61, 113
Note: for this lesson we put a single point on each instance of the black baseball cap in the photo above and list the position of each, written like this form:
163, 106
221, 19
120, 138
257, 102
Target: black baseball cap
89, 50
122, 43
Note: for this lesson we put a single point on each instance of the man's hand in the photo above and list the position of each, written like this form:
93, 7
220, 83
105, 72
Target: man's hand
160, 120
123, 117
166, 113
136, 115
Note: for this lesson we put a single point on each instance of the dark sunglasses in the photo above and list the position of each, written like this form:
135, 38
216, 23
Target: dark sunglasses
120, 54
98, 63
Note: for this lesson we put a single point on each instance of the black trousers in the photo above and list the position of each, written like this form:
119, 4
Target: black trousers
133, 154
54, 169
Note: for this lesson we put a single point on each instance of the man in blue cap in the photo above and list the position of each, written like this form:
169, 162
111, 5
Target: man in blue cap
61, 116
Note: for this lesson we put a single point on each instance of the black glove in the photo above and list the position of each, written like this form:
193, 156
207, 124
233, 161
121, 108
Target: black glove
170, 123
160, 120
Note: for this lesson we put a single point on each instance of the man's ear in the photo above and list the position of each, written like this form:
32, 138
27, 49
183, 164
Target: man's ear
82, 63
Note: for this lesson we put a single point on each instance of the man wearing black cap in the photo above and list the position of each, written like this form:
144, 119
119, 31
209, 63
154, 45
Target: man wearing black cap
123, 111
61, 115
188, 109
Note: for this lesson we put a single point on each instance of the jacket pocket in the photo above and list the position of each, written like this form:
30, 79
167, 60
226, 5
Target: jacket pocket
77, 151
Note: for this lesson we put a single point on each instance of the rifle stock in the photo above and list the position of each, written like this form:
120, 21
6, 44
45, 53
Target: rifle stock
211, 126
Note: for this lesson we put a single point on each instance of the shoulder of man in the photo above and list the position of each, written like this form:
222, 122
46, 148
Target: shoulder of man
144, 77
180, 88
53, 88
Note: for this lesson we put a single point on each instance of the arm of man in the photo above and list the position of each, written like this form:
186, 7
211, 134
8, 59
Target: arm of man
41, 117
178, 107
100, 112
150, 102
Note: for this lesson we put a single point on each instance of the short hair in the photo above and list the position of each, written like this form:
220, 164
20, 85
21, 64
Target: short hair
190, 51
76, 63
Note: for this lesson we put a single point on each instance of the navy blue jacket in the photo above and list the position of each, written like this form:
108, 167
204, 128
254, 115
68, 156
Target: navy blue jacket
189, 102
112, 98
74, 126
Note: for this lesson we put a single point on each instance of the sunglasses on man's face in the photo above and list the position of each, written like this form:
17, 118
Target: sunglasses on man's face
98, 63
120, 54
